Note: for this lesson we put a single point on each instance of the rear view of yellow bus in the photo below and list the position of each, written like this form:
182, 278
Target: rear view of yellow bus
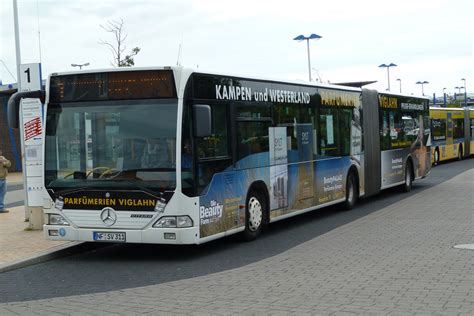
448, 134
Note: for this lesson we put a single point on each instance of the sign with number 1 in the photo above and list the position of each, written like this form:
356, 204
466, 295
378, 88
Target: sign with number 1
30, 77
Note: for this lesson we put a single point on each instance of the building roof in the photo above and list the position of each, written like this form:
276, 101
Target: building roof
356, 84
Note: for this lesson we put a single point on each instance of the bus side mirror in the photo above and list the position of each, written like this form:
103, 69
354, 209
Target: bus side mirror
13, 108
202, 120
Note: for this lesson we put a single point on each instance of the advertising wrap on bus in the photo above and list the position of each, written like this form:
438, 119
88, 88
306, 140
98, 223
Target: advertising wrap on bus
302, 167
405, 132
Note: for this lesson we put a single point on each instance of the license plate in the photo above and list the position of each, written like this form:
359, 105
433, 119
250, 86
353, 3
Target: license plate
106, 236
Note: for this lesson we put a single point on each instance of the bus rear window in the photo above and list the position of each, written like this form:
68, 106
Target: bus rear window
121, 85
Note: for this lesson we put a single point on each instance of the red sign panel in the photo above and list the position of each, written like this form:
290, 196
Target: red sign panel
32, 128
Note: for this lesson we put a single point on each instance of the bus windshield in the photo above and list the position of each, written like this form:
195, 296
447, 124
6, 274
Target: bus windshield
111, 144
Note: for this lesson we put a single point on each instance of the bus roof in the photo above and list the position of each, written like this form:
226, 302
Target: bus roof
188, 71
446, 109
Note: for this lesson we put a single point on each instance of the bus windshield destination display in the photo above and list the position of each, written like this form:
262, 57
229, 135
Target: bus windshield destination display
122, 85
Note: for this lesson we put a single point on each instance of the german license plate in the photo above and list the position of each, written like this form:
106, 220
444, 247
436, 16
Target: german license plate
107, 236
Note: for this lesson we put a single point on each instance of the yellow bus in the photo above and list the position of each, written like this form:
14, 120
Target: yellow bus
471, 129
451, 133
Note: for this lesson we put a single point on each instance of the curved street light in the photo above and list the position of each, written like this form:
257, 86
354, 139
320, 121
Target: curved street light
300, 38
444, 97
465, 92
80, 65
422, 83
388, 72
400, 81
459, 92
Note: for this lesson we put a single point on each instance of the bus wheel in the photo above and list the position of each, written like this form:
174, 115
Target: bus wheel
436, 157
254, 216
351, 192
408, 177
460, 152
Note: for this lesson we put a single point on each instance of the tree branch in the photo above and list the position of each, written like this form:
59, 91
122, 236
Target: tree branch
116, 28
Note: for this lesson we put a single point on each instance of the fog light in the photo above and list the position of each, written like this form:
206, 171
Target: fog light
170, 236
53, 232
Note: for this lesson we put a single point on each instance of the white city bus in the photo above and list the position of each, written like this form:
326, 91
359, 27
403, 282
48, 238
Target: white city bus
172, 156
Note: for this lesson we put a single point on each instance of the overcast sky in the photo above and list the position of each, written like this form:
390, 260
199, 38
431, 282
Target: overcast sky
428, 40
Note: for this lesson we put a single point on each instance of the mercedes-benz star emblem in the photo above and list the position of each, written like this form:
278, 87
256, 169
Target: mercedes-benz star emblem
108, 216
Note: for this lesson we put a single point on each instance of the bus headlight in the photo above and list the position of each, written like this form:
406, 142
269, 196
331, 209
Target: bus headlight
174, 222
55, 219
184, 221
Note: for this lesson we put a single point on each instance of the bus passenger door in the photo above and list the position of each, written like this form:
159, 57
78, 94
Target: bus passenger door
446, 152
251, 121
329, 171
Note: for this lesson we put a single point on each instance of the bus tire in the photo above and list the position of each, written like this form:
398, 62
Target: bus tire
406, 187
352, 191
255, 214
436, 157
460, 153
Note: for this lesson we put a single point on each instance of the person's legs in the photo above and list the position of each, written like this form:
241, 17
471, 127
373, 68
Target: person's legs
3, 190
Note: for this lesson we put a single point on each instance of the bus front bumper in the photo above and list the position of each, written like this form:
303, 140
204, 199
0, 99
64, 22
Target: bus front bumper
150, 235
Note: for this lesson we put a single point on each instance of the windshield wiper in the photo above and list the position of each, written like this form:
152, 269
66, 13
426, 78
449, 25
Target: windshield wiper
137, 185
58, 193
150, 169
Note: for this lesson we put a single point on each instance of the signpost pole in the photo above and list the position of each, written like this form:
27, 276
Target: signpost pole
31, 137
17, 43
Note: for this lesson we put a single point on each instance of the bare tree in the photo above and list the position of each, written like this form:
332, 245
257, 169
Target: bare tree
118, 46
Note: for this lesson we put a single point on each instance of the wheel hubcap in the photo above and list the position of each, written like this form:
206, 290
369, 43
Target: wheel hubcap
255, 214
408, 178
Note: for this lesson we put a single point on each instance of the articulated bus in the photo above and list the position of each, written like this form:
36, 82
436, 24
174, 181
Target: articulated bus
172, 156
452, 131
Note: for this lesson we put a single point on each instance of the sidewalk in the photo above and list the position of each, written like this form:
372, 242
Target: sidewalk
17, 243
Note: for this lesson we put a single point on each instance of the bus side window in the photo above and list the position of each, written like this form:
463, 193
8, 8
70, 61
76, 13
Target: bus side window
345, 131
410, 127
390, 131
458, 128
328, 132
252, 138
215, 145
212, 153
472, 128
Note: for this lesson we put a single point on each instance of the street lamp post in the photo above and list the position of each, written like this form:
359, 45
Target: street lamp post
80, 65
400, 81
459, 92
444, 97
388, 72
422, 83
465, 92
302, 38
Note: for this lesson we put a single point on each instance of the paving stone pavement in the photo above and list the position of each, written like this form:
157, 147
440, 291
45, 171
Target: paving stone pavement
16, 241
399, 260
